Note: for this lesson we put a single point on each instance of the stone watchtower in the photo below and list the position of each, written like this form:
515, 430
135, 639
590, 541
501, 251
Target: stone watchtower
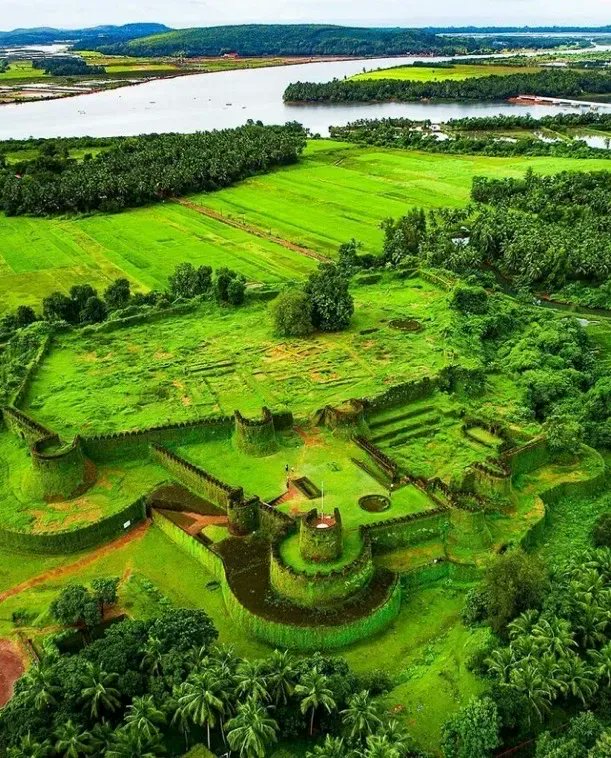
320, 537
256, 437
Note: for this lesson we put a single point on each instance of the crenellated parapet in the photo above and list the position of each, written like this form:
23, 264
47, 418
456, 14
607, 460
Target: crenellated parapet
255, 437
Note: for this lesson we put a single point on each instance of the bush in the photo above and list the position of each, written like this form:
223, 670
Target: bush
601, 532
292, 314
470, 300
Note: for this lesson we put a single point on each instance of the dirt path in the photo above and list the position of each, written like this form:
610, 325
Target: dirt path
135, 534
256, 231
11, 668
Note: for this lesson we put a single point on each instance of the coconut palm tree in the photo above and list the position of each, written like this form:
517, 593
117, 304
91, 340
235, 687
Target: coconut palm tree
314, 693
251, 680
527, 681
144, 718
99, 692
199, 701
602, 662
281, 676
180, 719
379, 746
251, 729
153, 657
361, 717
397, 735
128, 744
523, 624
554, 635
501, 663
41, 683
332, 747
72, 741
30, 748
578, 678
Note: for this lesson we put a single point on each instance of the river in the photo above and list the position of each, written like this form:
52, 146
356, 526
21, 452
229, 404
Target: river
226, 99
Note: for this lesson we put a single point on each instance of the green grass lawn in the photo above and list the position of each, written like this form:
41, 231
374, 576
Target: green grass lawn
20, 70
216, 361
458, 72
336, 192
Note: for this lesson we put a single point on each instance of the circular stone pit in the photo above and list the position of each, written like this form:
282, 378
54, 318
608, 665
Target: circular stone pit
406, 325
374, 503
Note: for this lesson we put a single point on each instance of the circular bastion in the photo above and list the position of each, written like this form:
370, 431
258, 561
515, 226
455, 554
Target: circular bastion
60, 471
320, 537
256, 437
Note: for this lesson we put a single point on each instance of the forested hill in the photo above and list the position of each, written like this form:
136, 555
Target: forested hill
291, 39
96, 35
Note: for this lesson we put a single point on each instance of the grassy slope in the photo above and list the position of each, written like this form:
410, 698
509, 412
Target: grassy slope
337, 192
433, 74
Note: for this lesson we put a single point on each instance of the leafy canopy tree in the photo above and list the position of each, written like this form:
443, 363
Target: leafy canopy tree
183, 629
188, 281
58, 307
292, 314
229, 287
105, 591
514, 582
332, 303
117, 294
564, 435
94, 311
473, 732
74, 606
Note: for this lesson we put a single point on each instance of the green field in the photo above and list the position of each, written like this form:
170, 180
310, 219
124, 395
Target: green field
336, 192
179, 368
20, 70
458, 72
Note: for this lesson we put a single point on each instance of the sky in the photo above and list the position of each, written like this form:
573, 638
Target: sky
184, 13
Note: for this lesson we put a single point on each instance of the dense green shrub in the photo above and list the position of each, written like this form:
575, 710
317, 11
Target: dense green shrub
291, 314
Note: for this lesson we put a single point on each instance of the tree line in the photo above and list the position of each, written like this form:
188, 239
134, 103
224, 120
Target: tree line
298, 39
548, 83
135, 171
413, 135
68, 65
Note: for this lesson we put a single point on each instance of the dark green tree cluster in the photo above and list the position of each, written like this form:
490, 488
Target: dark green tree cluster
292, 39
155, 687
136, 171
549, 83
68, 65
324, 304
81, 606
545, 233
472, 140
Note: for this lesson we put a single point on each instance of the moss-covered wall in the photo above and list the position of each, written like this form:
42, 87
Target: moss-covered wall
136, 444
210, 560
469, 530
528, 457
82, 538
198, 480
274, 524
243, 516
25, 427
320, 637
59, 470
312, 590
409, 530
320, 545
